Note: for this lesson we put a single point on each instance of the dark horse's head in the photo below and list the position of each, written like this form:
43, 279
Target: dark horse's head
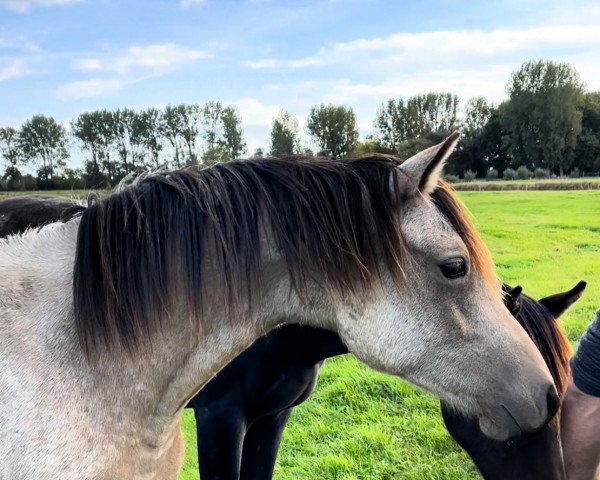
535, 456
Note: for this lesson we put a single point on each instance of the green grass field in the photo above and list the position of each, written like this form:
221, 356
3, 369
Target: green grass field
74, 194
360, 424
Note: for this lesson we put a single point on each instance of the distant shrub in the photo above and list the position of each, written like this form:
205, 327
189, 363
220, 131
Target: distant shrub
492, 174
574, 173
469, 176
451, 178
523, 173
67, 183
509, 174
25, 182
541, 173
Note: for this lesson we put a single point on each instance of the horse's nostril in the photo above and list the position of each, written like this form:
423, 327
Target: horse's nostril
553, 401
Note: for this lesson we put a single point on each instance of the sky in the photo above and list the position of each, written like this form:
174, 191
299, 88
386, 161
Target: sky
64, 57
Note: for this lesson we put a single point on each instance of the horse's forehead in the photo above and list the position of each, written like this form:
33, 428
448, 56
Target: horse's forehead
423, 225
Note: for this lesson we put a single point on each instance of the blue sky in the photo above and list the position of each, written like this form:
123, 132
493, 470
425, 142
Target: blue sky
63, 57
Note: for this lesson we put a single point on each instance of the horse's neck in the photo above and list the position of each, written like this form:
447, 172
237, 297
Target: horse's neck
132, 405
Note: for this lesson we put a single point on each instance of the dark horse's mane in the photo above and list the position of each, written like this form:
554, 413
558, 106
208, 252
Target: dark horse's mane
333, 222
548, 336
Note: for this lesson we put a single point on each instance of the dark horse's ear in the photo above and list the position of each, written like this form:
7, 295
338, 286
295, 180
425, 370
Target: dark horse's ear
512, 298
558, 304
424, 168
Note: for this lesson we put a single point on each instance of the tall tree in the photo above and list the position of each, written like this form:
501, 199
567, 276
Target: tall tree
398, 121
477, 113
285, 134
146, 132
587, 152
126, 142
212, 124
85, 129
189, 120
391, 124
493, 143
222, 133
233, 134
10, 151
432, 112
333, 128
95, 132
543, 117
470, 154
171, 127
42, 140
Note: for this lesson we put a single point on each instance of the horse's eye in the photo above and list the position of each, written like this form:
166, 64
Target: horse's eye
454, 268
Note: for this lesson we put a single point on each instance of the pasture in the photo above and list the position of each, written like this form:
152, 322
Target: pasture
361, 424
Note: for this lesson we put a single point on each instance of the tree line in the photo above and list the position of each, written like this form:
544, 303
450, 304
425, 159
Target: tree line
118, 142
549, 125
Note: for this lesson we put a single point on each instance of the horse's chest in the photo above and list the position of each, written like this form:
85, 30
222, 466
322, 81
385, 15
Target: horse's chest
288, 389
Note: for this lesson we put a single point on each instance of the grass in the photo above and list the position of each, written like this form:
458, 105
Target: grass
361, 424
74, 194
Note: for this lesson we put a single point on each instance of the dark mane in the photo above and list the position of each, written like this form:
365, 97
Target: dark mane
333, 222
549, 337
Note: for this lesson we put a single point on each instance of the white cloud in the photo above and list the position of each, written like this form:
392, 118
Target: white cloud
448, 46
156, 58
22, 6
476, 42
13, 69
87, 64
307, 62
273, 63
89, 88
138, 63
255, 113
260, 64
464, 82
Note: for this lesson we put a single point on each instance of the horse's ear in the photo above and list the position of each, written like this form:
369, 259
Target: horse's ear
424, 168
512, 298
558, 304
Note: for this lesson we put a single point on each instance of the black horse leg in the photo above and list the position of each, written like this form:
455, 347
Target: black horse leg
261, 445
220, 443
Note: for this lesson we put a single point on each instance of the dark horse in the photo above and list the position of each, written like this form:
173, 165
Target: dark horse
31, 211
528, 457
241, 413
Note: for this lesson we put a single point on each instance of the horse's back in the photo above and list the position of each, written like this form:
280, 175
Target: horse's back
29, 211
